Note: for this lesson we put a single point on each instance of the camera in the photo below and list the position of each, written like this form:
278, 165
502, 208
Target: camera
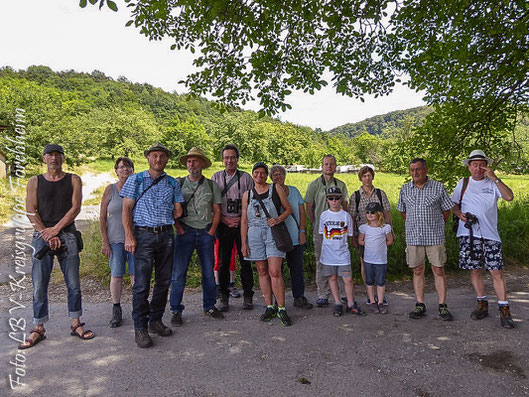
46, 250
471, 220
233, 206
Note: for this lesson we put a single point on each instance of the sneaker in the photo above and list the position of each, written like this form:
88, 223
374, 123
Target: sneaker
224, 302
344, 300
322, 302
234, 292
355, 309
214, 313
419, 311
382, 309
385, 302
247, 303
505, 317
142, 338
177, 319
338, 310
157, 327
268, 314
375, 309
302, 303
117, 317
482, 310
368, 301
445, 313
283, 318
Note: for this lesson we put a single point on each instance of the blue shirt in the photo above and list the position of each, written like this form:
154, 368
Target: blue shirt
295, 200
155, 207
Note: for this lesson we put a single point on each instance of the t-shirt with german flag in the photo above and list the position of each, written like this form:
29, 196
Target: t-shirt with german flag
335, 227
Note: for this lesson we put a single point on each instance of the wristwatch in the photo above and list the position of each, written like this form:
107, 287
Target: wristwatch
498, 180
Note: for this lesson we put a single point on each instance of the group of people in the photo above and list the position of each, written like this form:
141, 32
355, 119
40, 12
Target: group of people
152, 221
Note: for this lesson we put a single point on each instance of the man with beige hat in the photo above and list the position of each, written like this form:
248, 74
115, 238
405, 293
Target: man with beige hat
196, 230
476, 200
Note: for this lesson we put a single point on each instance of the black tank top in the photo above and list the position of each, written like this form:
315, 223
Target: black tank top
54, 199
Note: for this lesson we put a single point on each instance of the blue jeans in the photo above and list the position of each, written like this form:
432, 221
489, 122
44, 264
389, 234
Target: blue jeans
375, 273
69, 261
152, 250
295, 264
185, 244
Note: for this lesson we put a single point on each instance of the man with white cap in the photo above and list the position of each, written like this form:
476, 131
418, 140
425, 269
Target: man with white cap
476, 200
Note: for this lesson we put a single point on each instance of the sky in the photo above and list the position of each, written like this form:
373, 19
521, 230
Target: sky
61, 35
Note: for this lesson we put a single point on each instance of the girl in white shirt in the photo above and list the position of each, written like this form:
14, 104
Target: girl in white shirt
375, 236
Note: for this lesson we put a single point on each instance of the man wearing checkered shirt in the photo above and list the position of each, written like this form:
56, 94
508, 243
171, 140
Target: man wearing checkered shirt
425, 206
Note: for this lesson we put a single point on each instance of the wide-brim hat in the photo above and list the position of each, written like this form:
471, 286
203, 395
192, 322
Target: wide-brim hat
477, 155
195, 152
158, 147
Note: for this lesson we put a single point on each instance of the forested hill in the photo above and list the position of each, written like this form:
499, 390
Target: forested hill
94, 115
386, 124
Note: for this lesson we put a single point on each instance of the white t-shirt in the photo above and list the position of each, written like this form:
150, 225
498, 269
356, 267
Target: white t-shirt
480, 199
376, 250
335, 227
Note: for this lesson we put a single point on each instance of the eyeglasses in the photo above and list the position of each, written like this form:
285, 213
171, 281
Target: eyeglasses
334, 198
371, 212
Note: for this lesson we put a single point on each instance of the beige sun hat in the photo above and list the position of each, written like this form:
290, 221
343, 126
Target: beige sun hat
195, 152
477, 155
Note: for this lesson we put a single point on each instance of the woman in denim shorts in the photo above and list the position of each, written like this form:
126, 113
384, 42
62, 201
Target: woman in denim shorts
257, 243
113, 236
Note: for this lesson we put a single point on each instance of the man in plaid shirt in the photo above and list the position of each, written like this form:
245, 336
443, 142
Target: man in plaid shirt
425, 206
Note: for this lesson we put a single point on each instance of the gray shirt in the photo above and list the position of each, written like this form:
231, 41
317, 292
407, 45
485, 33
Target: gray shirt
115, 231
235, 192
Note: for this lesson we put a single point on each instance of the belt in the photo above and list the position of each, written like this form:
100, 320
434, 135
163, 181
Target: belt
156, 229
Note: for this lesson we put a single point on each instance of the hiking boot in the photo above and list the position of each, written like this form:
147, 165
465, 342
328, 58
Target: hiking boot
444, 313
322, 302
176, 320
505, 317
117, 317
283, 318
214, 313
419, 311
247, 303
157, 327
224, 303
482, 310
302, 303
268, 314
355, 309
338, 310
234, 292
142, 338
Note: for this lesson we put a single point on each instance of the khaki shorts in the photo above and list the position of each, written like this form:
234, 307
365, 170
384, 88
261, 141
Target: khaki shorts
416, 255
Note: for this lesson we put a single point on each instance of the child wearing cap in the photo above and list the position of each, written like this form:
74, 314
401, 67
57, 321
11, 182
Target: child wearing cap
335, 226
375, 236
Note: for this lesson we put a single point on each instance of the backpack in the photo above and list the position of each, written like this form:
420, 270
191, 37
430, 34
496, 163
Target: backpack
357, 198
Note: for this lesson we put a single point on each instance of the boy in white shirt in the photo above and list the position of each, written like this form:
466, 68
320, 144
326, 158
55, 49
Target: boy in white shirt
335, 226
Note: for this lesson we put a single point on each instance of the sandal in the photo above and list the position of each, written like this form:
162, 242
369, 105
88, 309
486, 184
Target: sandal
31, 342
82, 334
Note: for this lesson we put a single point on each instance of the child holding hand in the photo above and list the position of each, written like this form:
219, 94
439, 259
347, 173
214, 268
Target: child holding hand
336, 225
375, 236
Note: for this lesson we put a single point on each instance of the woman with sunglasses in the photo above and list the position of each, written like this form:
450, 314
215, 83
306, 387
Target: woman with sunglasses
257, 243
357, 208
113, 236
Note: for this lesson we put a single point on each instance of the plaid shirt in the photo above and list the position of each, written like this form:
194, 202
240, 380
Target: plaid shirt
155, 207
360, 216
424, 212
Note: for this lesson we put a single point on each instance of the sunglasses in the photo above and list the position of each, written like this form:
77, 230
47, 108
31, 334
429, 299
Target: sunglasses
334, 198
371, 212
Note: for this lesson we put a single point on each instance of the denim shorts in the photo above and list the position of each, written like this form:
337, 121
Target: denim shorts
262, 244
375, 274
118, 257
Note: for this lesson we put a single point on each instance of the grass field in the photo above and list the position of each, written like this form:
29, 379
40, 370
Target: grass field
513, 221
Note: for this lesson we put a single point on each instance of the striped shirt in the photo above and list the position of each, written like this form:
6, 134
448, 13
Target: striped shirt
424, 212
155, 207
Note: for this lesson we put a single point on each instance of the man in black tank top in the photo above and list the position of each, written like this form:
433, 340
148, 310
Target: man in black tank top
53, 202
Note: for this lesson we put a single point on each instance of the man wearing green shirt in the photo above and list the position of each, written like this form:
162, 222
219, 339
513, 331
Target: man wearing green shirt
316, 203
196, 230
